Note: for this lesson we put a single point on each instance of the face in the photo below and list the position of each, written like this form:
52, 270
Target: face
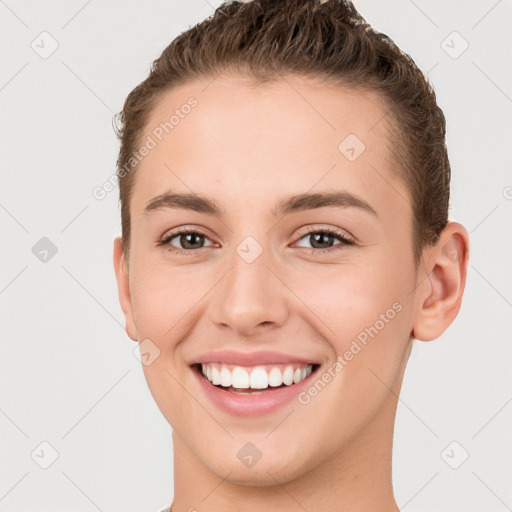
304, 274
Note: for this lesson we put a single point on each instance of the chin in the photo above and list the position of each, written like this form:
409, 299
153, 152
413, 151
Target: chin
279, 468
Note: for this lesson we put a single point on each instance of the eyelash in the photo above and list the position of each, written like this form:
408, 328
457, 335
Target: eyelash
325, 231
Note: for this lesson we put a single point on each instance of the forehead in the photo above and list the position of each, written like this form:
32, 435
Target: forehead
239, 142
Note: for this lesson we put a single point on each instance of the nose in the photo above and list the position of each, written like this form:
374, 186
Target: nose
250, 299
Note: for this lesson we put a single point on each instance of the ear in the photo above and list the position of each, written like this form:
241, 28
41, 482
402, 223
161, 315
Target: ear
440, 293
123, 287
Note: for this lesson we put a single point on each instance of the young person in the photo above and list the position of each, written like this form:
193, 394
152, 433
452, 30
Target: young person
284, 187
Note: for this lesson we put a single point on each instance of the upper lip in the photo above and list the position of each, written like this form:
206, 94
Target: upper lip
250, 358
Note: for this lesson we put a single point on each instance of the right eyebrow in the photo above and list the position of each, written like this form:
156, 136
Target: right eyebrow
192, 202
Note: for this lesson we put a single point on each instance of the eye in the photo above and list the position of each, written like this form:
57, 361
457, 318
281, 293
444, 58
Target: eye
323, 238
190, 240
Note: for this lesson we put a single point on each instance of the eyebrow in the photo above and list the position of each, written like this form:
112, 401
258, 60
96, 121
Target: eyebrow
291, 204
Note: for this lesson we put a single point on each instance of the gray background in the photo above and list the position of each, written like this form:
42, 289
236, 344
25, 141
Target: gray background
68, 373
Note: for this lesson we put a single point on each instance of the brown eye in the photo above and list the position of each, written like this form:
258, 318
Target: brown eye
190, 240
185, 241
323, 240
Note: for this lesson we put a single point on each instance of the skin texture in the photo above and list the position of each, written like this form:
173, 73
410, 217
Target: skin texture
248, 148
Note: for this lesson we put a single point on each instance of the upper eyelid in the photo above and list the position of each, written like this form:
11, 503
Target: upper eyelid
331, 229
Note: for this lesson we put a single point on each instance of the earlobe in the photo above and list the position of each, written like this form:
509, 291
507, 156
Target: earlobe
123, 287
440, 295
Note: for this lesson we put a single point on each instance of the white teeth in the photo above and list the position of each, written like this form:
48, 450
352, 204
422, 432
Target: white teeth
275, 377
215, 376
255, 378
239, 378
225, 377
259, 378
288, 376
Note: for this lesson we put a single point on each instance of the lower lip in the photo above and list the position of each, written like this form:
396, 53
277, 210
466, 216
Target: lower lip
247, 404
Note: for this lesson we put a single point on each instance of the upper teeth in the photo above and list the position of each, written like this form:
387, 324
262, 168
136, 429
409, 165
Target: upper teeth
257, 377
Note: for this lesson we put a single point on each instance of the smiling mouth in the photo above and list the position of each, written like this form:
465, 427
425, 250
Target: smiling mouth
255, 379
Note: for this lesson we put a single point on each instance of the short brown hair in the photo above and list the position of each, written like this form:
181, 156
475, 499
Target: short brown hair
260, 39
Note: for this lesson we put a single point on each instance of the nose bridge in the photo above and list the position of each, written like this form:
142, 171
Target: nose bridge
250, 294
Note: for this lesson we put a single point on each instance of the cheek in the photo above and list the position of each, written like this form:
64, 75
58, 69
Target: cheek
164, 299
366, 320
349, 299
365, 315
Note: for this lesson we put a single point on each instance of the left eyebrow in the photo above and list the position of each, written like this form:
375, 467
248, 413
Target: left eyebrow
302, 202
291, 204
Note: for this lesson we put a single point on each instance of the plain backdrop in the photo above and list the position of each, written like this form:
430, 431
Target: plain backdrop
79, 428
